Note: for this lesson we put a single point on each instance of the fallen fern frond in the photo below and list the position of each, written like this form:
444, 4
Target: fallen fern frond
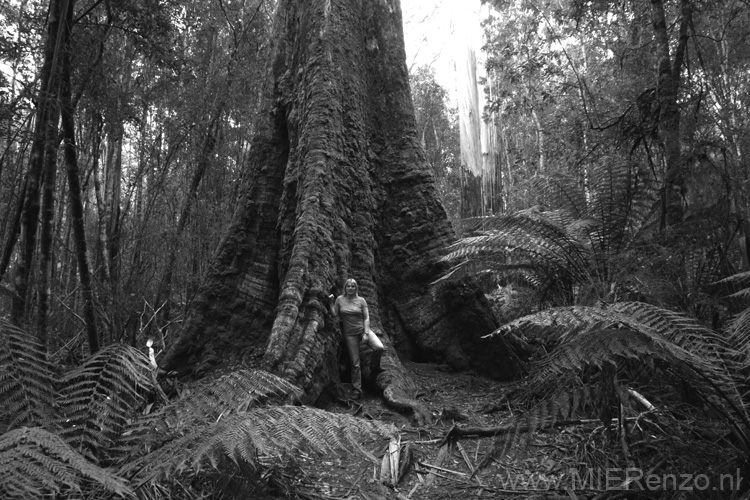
274, 432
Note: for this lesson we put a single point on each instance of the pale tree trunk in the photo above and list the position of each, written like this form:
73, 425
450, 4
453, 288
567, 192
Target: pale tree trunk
469, 112
337, 187
491, 155
477, 134
539, 141
668, 85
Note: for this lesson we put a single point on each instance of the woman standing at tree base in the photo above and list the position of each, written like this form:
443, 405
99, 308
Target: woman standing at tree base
355, 324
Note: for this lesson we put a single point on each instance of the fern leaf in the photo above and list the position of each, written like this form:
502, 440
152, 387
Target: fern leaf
540, 240
684, 331
478, 266
100, 396
207, 401
555, 324
26, 383
271, 432
560, 191
36, 463
738, 335
742, 279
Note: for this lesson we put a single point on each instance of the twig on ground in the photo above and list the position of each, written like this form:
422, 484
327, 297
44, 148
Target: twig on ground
433, 474
462, 432
424, 464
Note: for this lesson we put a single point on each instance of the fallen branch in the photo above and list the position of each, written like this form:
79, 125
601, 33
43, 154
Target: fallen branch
433, 474
463, 432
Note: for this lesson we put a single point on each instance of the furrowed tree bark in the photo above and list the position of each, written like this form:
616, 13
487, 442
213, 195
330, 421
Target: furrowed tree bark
337, 187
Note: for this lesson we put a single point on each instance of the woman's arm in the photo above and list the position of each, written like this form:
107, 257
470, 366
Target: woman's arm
333, 305
366, 316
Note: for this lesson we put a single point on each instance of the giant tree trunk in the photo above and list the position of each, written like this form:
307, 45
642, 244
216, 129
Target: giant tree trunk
337, 187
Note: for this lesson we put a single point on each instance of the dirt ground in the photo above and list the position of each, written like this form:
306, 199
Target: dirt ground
432, 468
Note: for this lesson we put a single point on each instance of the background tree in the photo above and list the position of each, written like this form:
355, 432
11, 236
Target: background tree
437, 125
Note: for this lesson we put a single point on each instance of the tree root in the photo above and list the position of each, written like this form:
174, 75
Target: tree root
397, 389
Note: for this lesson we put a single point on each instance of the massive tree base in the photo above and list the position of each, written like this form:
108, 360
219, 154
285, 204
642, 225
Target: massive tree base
337, 187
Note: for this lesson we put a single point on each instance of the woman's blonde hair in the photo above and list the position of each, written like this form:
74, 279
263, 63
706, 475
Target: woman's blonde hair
356, 286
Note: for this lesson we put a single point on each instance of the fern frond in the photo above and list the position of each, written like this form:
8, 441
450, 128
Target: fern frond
100, 396
488, 264
271, 432
207, 401
741, 279
738, 336
555, 324
35, 463
683, 330
26, 381
560, 191
541, 240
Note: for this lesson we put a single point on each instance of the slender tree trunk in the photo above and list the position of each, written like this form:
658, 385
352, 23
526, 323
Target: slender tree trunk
76, 201
108, 203
46, 119
539, 141
337, 187
15, 229
101, 269
668, 85
49, 185
112, 194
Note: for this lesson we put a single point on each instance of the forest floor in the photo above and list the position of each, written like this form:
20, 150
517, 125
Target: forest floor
440, 469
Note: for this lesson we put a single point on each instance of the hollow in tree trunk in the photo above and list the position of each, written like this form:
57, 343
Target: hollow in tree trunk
337, 187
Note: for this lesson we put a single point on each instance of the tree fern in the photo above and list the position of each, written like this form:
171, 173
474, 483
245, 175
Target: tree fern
35, 463
572, 240
738, 334
26, 383
524, 241
99, 397
738, 327
244, 437
629, 337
